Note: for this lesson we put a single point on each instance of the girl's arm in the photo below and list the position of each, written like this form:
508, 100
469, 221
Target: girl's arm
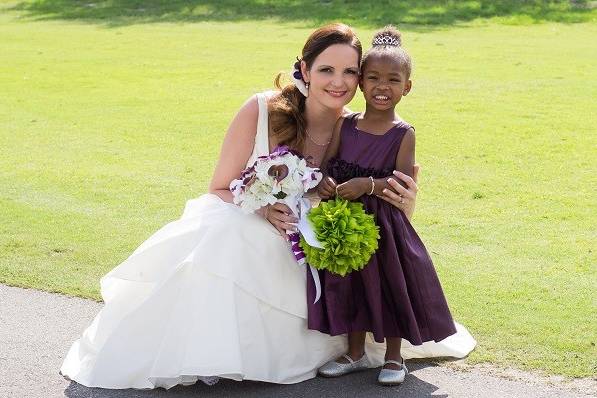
405, 160
236, 149
406, 173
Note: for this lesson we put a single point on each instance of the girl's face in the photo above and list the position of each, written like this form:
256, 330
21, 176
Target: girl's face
383, 82
334, 76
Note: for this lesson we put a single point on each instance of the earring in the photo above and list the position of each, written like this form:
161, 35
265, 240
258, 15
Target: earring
307, 85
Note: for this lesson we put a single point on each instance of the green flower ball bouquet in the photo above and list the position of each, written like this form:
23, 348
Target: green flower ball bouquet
348, 235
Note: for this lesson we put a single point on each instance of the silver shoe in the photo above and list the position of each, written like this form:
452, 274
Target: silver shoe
391, 377
335, 369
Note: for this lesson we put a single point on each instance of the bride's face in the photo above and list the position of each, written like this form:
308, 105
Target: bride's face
334, 76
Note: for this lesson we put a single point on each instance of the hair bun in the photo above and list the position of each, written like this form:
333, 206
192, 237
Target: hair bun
388, 36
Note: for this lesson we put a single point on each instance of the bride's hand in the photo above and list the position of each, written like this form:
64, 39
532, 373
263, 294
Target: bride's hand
403, 198
281, 217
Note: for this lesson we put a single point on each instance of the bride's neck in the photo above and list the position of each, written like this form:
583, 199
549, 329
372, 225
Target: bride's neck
320, 119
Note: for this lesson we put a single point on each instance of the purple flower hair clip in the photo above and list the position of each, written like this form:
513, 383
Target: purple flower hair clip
297, 78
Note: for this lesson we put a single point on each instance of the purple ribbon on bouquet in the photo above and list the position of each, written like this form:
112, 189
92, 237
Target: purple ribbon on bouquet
295, 237
298, 252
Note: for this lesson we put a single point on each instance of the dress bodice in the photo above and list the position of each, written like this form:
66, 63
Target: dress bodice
363, 154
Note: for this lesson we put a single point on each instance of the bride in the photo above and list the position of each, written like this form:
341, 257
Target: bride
218, 292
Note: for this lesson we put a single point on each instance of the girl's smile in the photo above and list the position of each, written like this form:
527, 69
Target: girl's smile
381, 99
384, 82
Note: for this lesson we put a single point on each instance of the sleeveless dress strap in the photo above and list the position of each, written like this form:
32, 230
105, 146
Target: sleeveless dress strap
262, 136
261, 147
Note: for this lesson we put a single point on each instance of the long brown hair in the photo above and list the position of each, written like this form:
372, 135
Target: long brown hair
287, 110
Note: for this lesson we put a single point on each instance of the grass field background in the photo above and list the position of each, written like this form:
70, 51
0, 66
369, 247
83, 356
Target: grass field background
112, 114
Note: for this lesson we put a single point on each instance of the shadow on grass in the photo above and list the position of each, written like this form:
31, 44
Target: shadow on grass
362, 384
366, 13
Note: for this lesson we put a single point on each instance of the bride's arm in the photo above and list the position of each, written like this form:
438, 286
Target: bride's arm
236, 149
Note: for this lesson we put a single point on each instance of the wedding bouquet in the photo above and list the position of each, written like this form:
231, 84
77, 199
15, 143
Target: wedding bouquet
346, 236
282, 176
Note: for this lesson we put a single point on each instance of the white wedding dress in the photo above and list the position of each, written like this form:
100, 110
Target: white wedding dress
215, 293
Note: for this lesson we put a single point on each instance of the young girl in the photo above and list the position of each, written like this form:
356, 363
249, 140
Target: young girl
397, 295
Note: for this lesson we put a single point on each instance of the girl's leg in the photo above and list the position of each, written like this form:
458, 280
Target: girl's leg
393, 351
392, 374
356, 352
356, 346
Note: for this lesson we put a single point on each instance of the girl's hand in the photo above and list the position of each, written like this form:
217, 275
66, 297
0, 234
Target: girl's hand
400, 197
327, 188
354, 188
281, 217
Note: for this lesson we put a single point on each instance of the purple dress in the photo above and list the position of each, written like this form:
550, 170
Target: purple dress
398, 293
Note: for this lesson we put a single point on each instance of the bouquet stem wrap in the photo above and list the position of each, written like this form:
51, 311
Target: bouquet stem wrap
303, 207
299, 254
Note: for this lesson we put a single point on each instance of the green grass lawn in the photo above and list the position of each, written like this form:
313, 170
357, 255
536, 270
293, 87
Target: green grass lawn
112, 114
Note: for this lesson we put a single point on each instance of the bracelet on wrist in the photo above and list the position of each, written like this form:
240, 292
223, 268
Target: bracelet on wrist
372, 186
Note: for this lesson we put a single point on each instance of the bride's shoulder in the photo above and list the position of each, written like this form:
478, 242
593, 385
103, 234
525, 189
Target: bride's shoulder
269, 95
250, 108
249, 111
251, 105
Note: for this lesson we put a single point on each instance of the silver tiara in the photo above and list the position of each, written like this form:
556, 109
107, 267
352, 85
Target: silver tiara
386, 40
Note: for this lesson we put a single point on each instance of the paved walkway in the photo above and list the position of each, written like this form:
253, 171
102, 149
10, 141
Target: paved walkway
37, 328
